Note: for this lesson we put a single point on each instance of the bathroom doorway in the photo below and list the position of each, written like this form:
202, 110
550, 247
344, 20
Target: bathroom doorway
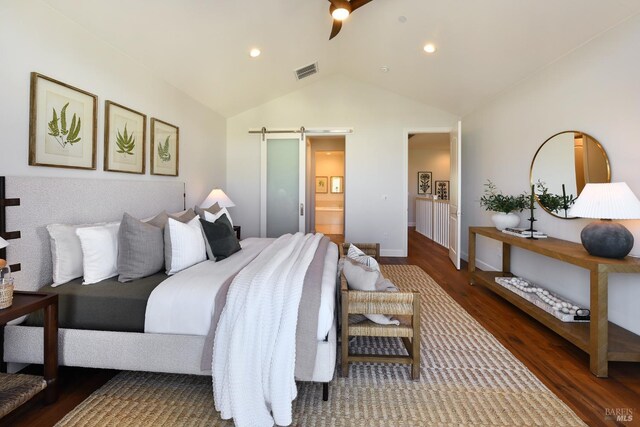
326, 186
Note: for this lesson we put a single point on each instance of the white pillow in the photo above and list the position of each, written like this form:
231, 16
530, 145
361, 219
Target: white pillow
362, 278
66, 252
99, 252
183, 245
208, 216
356, 254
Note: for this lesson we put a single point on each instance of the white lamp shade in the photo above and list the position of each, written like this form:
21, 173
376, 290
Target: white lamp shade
3, 243
606, 201
217, 196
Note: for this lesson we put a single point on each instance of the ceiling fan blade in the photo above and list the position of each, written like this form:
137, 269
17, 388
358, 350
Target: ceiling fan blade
337, 26
358, 3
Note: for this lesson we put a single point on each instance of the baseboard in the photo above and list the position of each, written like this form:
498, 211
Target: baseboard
412, 224
392, 252
479, 263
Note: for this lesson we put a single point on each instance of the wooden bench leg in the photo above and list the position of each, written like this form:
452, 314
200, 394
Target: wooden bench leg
344, 344
415, 340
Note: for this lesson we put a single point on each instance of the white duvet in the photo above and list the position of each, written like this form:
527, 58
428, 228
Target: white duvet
184, 304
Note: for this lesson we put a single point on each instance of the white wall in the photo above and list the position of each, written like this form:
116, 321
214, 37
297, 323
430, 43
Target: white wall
595, 89
374, 164
35, 37
427, 152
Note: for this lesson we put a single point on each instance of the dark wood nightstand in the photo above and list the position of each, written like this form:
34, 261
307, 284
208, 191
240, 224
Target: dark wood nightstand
237, 228
28, 302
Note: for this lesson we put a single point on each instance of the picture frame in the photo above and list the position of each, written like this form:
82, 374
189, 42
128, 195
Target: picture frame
322, 184
424, 183
442, 189
62, 124
125, 139
337, 184
165, 148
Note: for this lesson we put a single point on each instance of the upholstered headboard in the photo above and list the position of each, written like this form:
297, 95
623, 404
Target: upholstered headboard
46, 201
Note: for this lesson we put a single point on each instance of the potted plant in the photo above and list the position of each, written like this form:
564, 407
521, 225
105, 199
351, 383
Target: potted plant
502, 206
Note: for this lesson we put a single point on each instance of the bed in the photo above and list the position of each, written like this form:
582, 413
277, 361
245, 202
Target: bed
123, 345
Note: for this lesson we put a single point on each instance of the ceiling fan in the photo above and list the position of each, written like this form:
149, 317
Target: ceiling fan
340, 10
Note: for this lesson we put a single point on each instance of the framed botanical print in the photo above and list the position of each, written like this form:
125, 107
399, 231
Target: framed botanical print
164, 148
62, 125
424, 183
442, 190
337, 184
322, 184
124, 139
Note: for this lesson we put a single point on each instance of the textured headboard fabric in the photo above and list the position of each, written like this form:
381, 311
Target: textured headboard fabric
45, 201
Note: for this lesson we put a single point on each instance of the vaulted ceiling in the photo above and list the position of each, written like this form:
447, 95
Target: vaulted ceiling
484, 46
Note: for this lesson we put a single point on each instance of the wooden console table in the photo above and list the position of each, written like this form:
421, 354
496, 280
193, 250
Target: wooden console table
603, 340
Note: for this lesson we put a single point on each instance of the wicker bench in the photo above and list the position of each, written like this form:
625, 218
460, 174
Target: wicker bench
406, 304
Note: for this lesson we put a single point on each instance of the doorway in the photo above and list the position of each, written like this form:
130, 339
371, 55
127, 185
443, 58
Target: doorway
432, 171
326, 186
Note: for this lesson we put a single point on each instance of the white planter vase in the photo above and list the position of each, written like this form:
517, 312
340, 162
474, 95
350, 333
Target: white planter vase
502, 220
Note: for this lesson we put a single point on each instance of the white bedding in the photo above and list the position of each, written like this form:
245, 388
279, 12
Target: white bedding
256, 388
184, 304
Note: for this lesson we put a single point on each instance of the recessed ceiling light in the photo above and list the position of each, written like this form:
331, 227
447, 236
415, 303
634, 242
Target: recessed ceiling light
429, 48
384, 69
254, 53
402, 19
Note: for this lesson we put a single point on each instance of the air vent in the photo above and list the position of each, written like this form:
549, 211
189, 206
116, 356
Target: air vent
307, 71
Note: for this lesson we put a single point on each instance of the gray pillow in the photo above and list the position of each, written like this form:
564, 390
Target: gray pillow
159, 220
185, 217
140, 249
213, 209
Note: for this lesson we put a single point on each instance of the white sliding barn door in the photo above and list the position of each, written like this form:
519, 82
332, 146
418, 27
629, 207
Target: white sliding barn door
454, 191
282, 195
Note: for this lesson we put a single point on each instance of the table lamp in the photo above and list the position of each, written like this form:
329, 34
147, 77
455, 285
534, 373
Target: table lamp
217, 196
615, 200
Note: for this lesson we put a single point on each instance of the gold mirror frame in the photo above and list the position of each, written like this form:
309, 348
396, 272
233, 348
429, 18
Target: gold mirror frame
597, 144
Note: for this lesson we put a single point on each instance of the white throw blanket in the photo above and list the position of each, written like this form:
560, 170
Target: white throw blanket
254, 349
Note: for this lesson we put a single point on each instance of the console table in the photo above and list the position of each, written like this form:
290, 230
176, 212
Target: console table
603, 340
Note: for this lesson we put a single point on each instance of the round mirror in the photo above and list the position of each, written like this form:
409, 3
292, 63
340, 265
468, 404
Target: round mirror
563, 165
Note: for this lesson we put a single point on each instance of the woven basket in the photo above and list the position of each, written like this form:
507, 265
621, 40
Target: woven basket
6, 293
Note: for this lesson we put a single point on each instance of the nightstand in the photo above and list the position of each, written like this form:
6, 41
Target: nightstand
237, 228
28, 302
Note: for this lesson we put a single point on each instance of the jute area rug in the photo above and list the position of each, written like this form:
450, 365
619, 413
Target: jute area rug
467, 379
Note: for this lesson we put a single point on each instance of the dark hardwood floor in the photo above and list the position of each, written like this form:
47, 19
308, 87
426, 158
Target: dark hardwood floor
561, 366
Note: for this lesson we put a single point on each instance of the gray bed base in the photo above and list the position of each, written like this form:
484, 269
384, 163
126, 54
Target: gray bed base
76, 201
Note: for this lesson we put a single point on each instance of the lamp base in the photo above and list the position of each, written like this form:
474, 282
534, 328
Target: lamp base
607, 239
